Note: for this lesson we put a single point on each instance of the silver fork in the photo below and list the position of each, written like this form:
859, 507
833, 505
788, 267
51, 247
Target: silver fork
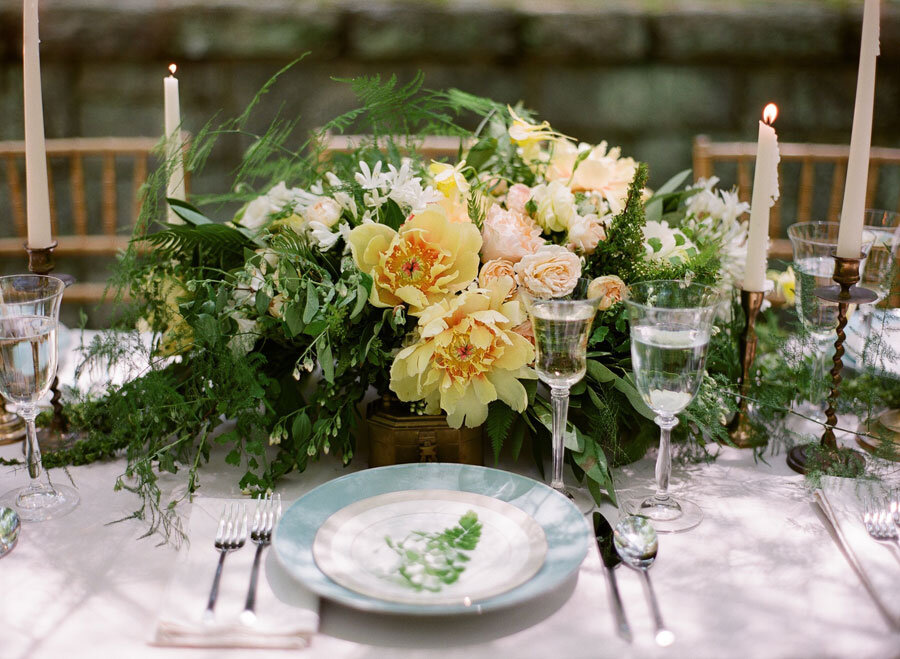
879, 522
268, 512
231, 535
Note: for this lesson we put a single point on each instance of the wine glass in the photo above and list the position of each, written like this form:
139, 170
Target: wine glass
884, 226
671, 322
813, 245
29, 318
561, 327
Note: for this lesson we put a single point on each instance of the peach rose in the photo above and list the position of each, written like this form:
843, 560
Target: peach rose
609, 288
552, 271
508, 235
517, 197
495, 269
585, 233
525, 330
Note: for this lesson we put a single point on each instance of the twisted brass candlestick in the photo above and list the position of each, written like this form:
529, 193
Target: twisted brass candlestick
739, 429
846, 274
40, 262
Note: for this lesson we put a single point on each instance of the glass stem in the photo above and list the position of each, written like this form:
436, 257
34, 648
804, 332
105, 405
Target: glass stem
819, 373
664, 459
32, 449
559, 396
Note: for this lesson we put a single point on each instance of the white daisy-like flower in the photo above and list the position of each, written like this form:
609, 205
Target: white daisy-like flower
370, 179
663, 242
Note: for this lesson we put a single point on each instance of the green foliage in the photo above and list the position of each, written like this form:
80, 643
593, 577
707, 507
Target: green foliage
430, 561
623, 250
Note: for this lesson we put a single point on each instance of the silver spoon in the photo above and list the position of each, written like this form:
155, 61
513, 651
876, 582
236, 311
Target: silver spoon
637, 544
9, 530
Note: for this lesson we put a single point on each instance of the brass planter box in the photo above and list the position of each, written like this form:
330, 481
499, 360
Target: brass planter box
396, 436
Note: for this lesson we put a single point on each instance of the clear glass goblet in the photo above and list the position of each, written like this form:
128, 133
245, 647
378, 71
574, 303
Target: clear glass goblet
884, 226
813, 245
561, 327
29, 320
671, 322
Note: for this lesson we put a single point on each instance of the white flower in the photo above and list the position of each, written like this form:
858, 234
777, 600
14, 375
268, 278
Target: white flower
406, 190
555, 206
663, 242
585, 233
256, 214
370, 179
323, 236
325, 211
245, 338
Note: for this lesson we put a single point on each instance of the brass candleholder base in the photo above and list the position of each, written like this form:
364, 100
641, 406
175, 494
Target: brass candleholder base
740, 430
12, 427
881, 435
845, 293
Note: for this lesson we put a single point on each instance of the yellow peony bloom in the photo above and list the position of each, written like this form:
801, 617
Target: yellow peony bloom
427, 260
466, 356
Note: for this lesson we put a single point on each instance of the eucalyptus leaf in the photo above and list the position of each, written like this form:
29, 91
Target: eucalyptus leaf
312, 302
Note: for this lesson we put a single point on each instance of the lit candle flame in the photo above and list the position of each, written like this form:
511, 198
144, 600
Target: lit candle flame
174, 68
769, 113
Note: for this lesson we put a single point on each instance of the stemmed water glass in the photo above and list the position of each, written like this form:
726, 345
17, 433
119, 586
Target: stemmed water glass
671, 322
561, 327
813, 245
29, 319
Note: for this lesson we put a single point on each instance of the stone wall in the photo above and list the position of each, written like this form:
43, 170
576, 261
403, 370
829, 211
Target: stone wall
645, 79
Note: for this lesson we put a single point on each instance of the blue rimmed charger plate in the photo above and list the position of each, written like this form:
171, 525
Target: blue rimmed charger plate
567, 532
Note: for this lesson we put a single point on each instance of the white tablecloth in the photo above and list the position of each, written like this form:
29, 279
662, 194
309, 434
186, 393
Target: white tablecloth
760, 577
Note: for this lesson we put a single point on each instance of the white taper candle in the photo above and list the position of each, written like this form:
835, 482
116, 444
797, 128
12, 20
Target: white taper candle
765, 193
850, 232
175, 186
36, 189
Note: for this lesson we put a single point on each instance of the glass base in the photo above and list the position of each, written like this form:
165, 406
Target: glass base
38, 503
580, 497
668, 515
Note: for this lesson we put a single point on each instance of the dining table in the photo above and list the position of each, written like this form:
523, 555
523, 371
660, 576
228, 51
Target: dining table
761, 576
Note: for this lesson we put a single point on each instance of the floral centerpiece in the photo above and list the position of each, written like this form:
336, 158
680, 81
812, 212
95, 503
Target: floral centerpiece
381, 270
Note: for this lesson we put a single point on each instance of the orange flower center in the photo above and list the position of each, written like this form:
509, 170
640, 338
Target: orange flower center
461, 360
411, 261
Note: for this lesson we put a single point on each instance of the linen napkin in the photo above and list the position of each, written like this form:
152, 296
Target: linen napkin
287, 615
842, 501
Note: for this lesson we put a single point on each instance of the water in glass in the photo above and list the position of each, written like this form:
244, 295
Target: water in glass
668, 364
28, 357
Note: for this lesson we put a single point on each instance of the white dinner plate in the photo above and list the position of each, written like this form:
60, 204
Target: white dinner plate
430, 547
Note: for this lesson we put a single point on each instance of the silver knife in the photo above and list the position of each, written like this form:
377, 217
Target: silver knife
604, 535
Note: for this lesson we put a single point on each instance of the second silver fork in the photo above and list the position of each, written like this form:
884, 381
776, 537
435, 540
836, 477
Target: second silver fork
879, 522
231, 535
268, 512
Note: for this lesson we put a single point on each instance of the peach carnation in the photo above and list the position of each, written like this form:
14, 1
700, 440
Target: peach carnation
508, 235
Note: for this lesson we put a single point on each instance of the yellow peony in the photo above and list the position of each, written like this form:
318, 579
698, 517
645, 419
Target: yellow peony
427, 260
466, 356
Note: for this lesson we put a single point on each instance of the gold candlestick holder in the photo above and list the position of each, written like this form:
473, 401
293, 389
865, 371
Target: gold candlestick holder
740, 429
40, 262
844, 293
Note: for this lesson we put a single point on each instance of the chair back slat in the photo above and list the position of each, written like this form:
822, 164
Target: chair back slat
79, 203
775, 215
109, 194
54, 218
743, 180
804, 199
15, 195
837, 190
138, 178
872, 183
805, 192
